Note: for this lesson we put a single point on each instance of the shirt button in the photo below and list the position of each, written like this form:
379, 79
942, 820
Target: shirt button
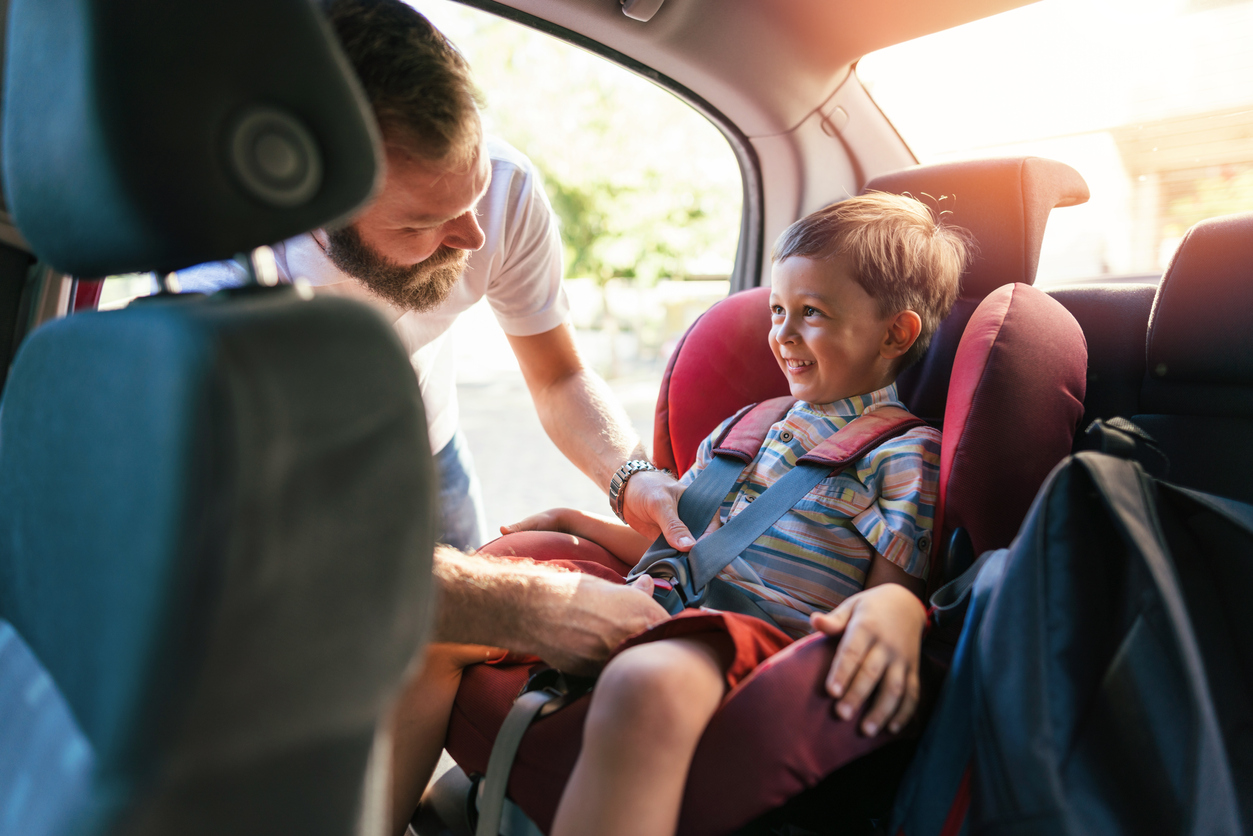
785, 436
749, 498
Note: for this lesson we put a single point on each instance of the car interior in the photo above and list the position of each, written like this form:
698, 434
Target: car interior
183, 646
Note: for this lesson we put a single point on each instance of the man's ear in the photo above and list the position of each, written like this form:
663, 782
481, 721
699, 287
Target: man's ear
902, 332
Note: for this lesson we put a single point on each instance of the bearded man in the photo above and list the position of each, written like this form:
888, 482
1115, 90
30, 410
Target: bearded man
459, 216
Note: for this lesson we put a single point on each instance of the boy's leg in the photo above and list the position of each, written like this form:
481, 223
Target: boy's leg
419, 723
647, 714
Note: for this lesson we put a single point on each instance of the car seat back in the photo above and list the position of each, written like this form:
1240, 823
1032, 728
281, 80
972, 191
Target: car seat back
1196, 398
216, 534
215, 512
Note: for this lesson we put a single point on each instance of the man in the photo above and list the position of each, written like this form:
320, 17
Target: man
459, 217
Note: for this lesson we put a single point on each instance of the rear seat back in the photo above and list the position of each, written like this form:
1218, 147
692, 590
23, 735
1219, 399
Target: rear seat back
1115, 322
1196, 396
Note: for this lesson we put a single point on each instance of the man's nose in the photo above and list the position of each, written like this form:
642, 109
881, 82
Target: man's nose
464, 233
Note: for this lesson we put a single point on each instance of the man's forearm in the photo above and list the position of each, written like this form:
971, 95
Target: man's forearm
585, 421
570, 620
482, 601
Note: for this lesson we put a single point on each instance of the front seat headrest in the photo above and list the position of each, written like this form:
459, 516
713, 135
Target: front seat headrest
154, 136
1003, 202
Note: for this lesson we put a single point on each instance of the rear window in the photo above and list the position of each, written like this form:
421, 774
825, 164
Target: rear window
1150, 100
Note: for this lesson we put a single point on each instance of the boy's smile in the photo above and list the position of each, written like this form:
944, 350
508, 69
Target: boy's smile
827, 333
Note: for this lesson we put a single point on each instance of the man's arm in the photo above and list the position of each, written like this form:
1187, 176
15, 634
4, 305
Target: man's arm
578, 411
570, 620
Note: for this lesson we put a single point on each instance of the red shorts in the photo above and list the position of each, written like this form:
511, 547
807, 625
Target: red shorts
752, 641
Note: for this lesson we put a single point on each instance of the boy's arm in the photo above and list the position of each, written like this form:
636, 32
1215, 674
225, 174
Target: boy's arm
622, 541
881, 646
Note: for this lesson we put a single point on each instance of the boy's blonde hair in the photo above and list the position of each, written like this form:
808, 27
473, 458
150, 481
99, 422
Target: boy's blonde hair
900, 254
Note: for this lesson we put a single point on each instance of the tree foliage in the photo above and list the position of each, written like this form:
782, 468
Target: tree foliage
644, 186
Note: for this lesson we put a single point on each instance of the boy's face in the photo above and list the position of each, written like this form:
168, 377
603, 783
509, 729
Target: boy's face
827, 333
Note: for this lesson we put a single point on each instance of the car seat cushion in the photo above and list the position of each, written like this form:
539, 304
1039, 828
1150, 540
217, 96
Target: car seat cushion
722, 364
1200, 347
1014, 402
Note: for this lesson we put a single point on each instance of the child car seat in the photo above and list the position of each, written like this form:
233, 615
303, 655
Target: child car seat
192, 644
1014, 404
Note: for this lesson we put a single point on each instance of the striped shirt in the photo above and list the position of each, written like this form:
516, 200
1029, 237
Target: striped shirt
819, 552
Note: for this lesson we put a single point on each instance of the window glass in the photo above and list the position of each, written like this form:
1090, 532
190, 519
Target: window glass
1151, 100
648, 194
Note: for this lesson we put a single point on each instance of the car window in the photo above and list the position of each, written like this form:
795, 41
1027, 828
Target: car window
1151, 100
648, 194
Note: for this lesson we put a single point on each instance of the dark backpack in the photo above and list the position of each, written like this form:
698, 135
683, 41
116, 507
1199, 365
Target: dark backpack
1103, 681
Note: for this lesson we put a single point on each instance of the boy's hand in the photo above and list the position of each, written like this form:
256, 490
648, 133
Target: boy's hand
554, 519
882, 642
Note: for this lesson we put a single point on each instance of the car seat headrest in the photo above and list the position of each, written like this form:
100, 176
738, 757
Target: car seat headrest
722, 363
1003, 202
1014, 402
142, 136
1198, 329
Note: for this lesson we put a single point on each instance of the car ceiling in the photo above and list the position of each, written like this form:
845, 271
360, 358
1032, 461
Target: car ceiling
763, 65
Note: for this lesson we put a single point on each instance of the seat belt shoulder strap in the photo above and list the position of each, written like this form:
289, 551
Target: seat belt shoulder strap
860, 436
747, 431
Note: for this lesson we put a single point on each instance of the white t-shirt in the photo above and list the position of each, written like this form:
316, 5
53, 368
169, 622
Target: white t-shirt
518, 269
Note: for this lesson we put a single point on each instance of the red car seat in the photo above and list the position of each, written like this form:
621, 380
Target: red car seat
1017, 396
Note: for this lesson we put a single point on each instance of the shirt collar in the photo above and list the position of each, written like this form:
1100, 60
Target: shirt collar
849, 408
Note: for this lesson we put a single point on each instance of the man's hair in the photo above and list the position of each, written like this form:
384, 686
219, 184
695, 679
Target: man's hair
418, 83
900, 254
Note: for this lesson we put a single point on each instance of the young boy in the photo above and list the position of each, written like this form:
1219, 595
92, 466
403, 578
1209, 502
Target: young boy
857, 290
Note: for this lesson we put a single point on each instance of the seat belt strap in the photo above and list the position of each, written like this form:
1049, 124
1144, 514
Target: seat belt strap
735, 448
500, 763
713, 553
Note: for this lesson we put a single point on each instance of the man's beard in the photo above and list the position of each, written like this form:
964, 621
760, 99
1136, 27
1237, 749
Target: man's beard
414, 287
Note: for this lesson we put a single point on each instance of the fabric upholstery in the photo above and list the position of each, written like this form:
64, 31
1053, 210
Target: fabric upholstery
45, 762
215, 533
1013, 406
122, 122
1004, 203
1199, 329
721, 365
1196, 396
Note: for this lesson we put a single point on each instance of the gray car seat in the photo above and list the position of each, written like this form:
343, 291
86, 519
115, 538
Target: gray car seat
215, 512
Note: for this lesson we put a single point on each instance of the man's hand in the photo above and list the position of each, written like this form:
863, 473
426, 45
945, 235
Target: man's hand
570, 620
585, 618
882, 642
651, 506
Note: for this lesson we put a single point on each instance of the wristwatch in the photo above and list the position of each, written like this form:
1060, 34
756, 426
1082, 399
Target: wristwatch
619, 480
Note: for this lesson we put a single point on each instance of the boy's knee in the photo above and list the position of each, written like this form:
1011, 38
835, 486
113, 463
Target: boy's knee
667, 686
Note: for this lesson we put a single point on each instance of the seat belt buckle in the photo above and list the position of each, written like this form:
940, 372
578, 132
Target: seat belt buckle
672, 584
